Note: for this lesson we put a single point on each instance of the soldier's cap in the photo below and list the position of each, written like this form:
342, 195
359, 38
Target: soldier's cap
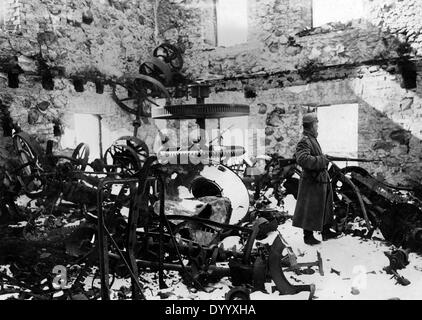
310, 118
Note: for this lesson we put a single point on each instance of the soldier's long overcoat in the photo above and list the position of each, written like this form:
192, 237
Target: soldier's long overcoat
314, 207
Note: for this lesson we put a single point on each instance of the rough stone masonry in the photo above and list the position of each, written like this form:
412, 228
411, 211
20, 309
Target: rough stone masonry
62, 56
373, 61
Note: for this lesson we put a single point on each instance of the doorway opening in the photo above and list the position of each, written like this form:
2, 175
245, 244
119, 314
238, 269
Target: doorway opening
88, 130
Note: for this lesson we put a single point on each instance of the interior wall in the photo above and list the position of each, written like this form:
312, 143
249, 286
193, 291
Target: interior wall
389, 119
62, 104
286, 64
289, 65
92, 43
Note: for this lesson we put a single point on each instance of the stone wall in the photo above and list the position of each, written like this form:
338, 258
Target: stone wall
277, 18
389, 124
291, 65
11, 15
401, 18
56, 122
108, 37
281, 38
285, 63
58, 42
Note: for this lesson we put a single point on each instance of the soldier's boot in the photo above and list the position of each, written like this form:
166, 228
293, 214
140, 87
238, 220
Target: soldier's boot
308, 238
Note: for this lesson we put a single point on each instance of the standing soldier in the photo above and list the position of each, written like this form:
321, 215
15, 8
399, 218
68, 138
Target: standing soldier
314, 208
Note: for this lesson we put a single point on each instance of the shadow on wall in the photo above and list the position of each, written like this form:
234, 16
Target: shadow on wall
390, 116
388, 89
392, 138
389, 121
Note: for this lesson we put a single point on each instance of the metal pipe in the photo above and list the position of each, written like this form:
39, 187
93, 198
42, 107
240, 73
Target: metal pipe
160, 239
100, 136
102, 245
102, 237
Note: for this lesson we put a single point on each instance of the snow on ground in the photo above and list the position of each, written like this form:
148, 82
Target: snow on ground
360, 263
353, 270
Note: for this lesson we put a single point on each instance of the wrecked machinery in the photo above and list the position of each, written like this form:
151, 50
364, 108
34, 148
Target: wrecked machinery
395, 210
128, 195
132, 203
149, 237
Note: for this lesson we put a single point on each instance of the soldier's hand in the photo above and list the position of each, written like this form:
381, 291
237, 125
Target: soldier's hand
326, 160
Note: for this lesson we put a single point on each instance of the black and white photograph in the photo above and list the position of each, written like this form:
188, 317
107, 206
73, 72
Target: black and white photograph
229, 151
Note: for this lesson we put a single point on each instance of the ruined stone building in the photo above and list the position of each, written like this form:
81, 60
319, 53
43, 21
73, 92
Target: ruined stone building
58, 60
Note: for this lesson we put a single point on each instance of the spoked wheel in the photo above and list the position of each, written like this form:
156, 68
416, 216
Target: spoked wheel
122, 160
136, 95
30, 156
29, 177
139, 146
169, 54
81, 156
34, 152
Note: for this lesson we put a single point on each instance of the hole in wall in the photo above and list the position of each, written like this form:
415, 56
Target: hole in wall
6, 120
57, 129
338, 131
78, 84
249, 92
49, 147
99, 87
331, 11
46, 75
47, 81
88, 129
13, 80
232, 22
13, 73
408, 73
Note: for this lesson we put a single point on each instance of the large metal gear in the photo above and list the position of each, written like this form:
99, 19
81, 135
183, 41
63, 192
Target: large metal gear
196, 111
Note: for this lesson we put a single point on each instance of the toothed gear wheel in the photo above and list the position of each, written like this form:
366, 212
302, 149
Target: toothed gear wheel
195, 111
